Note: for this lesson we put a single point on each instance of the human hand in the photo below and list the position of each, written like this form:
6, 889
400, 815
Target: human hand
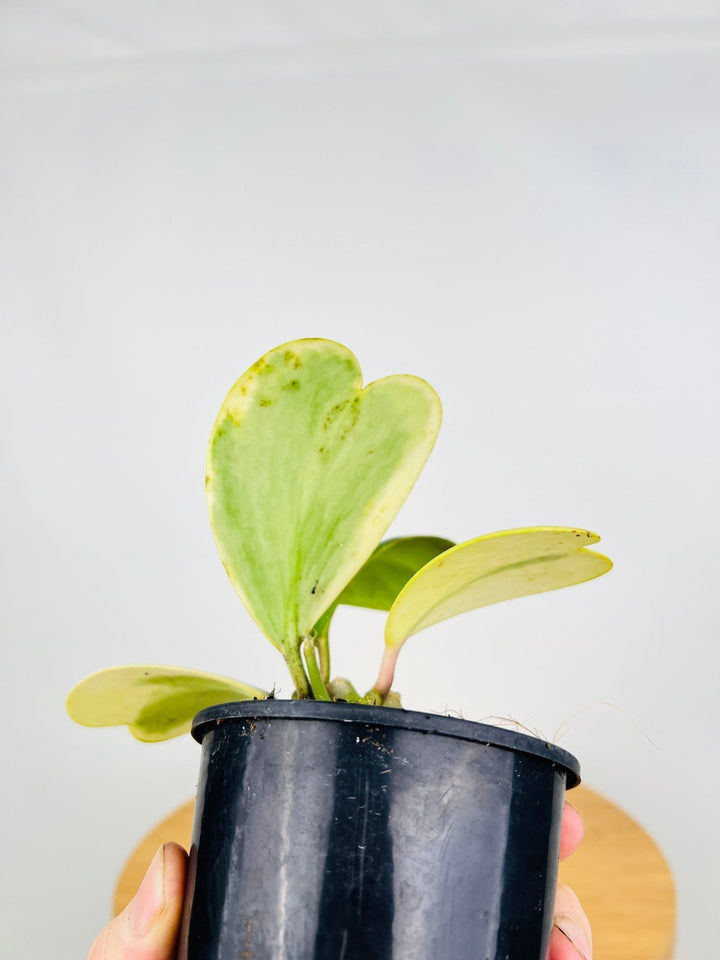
571, 938
148, 927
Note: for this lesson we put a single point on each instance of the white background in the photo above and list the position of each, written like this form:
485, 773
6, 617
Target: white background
518, 203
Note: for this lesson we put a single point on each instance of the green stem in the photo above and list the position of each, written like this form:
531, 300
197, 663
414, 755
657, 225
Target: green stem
321, 632
297, 672
316, 681
322, 644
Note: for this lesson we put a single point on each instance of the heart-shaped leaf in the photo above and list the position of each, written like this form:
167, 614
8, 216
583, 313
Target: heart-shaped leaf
495, 567
305, 471
156, 702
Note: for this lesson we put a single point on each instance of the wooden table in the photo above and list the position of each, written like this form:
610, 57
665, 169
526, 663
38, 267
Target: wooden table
619, 874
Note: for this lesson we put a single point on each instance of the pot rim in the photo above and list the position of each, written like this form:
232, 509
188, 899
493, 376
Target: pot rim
438, 724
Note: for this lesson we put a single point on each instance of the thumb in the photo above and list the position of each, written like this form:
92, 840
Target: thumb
571, 938
147, 929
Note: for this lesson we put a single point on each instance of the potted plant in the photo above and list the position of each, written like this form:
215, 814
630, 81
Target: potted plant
335, 824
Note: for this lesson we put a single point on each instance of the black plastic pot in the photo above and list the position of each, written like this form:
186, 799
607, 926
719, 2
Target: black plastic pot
330, 831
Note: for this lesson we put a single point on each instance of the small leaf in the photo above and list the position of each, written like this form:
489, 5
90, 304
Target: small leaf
383, 575
305, 471
380, 580
491, 568
156, 702
495, 567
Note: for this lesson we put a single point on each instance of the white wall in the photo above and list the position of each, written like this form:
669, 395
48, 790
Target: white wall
536, 235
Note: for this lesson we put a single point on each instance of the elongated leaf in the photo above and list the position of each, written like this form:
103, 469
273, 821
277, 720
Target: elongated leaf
495, 567
156, 702
491, 568
305, 471
382, 577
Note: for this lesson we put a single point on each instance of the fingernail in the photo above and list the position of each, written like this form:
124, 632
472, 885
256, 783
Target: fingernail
575, 934
149, 899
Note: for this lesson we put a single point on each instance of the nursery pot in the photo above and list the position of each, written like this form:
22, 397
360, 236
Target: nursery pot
333, 831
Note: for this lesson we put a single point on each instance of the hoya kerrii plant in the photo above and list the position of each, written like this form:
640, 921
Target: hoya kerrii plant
306, 469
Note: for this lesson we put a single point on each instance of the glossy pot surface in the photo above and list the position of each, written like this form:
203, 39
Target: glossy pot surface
330, 831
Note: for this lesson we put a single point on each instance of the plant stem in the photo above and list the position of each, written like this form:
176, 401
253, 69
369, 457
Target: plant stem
319, 689
297, 672
321, 633
387, 672
322, 644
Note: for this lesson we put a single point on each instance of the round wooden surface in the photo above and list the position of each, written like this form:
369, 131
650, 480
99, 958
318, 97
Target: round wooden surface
619, 874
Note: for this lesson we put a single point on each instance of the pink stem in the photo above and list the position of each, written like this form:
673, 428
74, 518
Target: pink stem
387, 671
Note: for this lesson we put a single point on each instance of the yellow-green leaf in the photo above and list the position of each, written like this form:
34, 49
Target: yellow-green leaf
305, 471
156, 702
495, 567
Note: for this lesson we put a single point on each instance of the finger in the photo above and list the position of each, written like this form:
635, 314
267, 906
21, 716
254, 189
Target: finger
147, 929
571, 832
571, 938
